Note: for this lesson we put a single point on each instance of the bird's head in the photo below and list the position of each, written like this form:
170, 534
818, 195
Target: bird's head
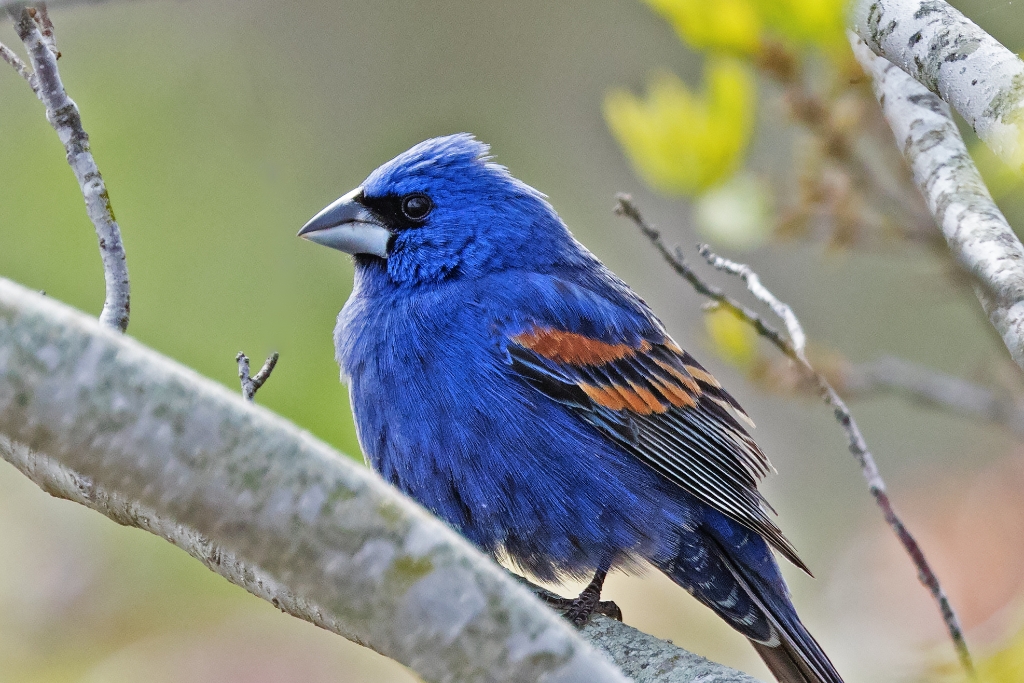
443, 209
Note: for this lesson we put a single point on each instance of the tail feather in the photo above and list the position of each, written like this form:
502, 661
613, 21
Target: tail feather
787, 664
746, 590
792, 654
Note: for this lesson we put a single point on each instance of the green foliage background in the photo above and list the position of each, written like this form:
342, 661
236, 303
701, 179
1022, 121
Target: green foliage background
221, 127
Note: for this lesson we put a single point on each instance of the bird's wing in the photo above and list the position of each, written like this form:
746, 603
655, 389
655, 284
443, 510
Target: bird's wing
653, 399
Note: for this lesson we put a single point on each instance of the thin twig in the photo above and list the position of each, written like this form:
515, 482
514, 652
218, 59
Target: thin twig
918, 384
674, 257
264, 374
46, 27
14, 60
36, 32
250, 385
795, 348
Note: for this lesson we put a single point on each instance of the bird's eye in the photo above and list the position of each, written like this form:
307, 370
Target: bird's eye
416, 206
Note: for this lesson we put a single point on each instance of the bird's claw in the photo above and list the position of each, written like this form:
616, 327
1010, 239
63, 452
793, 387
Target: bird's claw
581, 610
609, 609
574, 609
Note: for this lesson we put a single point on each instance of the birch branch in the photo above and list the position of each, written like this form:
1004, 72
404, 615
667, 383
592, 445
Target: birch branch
950, 55
794, 347
979, 238
97, 418
36, 32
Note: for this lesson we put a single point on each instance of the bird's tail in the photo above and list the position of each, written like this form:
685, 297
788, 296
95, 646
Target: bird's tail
759, 610
789, 665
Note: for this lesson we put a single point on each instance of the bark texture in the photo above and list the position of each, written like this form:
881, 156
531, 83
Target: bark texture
953, 57
977, 233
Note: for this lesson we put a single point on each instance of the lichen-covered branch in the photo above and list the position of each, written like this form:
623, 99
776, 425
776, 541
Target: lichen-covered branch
97, 418
952, 56
36, 32
645, 659
979, 238
794, 346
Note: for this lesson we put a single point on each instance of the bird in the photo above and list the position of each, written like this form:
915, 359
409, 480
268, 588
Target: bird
504, 378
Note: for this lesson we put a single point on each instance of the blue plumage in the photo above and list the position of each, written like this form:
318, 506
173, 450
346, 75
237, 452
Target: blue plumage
505, 379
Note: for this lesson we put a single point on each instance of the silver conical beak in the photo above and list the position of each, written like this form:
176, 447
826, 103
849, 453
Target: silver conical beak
348, 226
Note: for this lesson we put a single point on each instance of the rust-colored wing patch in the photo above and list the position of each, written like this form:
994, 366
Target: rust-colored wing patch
567, 347
604, 396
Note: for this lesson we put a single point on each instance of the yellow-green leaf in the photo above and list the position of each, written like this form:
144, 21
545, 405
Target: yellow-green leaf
726, 25
805, 22
732, 337
1001, 178
681, 142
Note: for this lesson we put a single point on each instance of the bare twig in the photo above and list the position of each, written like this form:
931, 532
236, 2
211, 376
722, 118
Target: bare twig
674, 257
46, 28
979, 237
795, 348
250, 385
36, 32
14, 60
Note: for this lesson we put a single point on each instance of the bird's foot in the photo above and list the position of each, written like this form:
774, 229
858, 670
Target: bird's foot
578, 610
571, 607
609, 609
582, 607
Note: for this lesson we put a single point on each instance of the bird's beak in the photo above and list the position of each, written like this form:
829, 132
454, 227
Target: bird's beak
348, 226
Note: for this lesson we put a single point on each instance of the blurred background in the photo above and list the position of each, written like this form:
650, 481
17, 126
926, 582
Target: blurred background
221, 127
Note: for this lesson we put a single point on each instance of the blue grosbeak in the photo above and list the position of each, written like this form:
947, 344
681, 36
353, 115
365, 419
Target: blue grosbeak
505, 379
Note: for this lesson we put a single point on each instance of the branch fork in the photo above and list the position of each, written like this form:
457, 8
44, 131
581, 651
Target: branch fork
250, 385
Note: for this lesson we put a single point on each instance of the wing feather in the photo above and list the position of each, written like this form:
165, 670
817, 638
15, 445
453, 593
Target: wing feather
657, 402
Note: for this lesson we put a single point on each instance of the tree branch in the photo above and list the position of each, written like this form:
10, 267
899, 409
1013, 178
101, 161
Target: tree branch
933, 389
250, 385
795, 348
979, 238
36, 32
950, 55
99, 419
